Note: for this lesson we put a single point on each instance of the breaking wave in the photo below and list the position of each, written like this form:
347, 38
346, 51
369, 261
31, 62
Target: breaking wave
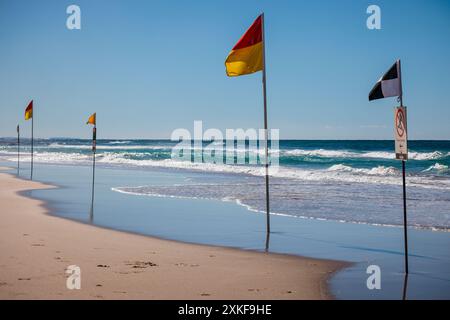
372, 154
337, 172
437, 167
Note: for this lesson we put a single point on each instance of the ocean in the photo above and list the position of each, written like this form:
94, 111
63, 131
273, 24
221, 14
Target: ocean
345, 181
329, 199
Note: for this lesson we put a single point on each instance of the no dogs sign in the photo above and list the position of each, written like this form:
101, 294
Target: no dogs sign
401, 135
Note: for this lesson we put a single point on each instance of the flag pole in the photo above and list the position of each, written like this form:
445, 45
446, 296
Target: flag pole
405, 286
32, 139
266, 134
94, 138
405, 221
18, 150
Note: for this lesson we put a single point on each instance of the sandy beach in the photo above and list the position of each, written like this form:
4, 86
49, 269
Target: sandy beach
36, 248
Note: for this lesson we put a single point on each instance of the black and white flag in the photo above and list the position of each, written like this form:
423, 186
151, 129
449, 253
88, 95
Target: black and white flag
389, 85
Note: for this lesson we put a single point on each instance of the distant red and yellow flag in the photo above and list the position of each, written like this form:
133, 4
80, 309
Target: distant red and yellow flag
92, 119
246, 57
29, 111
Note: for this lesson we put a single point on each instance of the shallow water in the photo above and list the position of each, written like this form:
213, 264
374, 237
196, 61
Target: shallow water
352, 181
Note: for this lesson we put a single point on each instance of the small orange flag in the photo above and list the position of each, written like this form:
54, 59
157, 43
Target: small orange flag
92, 119
29, 111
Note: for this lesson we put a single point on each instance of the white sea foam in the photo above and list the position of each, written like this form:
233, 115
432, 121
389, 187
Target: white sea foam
50, 157
106, 147
228, 150
337, 172
380, 170
119, 142
427, 155
370, 154
437, 167
320, 153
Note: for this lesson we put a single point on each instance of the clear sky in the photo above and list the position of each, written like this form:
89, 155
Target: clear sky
149, 67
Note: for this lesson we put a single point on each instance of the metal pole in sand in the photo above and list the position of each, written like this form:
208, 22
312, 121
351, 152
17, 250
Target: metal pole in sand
94, 138
18, 150
405, 220
266, 132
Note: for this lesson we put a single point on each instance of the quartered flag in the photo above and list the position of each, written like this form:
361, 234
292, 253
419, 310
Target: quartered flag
246, 57
29, 111
92, 119
389, 85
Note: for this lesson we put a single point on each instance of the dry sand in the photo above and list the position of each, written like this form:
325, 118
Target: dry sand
36, 248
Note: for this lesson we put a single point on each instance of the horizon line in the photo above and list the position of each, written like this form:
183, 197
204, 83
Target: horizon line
166, 139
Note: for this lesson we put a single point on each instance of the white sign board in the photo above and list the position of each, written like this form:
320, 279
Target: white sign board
401, 135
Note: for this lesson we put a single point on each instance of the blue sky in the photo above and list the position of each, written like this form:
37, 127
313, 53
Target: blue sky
149, 67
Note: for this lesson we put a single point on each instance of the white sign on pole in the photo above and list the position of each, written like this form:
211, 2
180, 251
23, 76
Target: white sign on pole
401, 135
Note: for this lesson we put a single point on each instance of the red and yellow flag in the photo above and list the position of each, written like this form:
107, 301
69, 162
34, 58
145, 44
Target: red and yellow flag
29, 111
246, 57
92, 119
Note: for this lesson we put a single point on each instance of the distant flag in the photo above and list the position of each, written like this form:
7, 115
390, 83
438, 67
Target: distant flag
247, 56
389, 85
29, 111
28, 116
92, 119
18, 129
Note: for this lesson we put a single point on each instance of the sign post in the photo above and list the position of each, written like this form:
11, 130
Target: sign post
390, 85
18, 150
401, 138
401, 153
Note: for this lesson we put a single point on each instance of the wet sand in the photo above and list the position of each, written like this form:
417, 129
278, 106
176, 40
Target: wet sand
36, 249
